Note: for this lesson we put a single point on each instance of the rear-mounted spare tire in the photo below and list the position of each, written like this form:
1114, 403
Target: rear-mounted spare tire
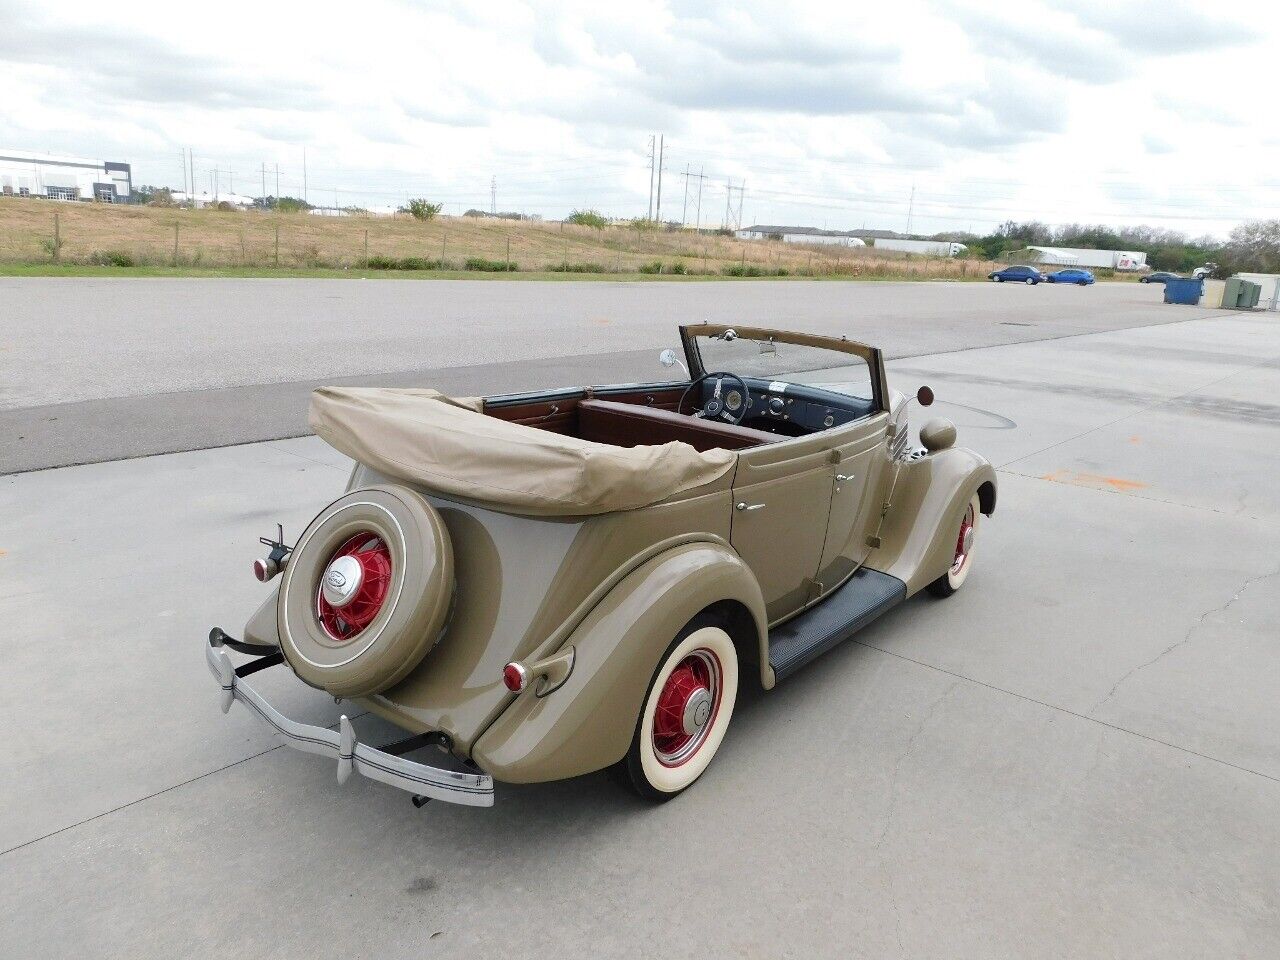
366, 591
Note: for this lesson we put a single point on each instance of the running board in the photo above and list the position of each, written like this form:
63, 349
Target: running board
863, 598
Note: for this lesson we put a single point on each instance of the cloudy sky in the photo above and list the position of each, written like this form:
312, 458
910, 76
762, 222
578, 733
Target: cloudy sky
957, 113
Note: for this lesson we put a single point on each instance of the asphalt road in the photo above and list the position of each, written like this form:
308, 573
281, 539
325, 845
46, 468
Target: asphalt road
94, 370
1077, 756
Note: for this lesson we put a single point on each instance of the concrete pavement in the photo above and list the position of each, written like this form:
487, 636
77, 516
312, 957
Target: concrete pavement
1076, 756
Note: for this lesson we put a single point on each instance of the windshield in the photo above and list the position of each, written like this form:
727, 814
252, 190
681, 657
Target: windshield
771, 358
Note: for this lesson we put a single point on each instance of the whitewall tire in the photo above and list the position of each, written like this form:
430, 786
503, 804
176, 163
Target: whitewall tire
685, 714
962, 561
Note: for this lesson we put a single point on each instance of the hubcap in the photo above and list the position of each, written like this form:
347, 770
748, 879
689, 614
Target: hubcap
964, 542
686, 708
353, 586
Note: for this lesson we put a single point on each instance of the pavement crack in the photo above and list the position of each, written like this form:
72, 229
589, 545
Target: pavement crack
1186, 637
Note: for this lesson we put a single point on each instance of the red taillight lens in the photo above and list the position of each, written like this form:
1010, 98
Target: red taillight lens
513, 676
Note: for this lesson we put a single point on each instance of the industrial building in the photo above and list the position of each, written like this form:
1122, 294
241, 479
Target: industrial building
26, 174
928, 248
838, 238
1081, 257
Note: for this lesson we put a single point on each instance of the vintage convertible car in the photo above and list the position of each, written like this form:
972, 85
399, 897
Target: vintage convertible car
549, 584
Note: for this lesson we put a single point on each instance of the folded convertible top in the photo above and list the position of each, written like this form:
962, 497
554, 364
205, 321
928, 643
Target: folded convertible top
449, 446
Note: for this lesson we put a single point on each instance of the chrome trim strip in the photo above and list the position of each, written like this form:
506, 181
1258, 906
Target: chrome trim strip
451, 786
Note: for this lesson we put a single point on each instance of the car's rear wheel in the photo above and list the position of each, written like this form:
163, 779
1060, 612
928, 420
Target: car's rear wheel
954, 578
1030, 282
685, 713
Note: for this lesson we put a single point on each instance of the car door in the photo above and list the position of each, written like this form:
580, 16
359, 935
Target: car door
863, 454
781, 502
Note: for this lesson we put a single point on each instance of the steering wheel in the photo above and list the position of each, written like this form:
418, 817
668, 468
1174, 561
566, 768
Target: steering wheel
715, 407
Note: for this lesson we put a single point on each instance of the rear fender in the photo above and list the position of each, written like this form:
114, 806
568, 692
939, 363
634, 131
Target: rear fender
588, 722
918, 538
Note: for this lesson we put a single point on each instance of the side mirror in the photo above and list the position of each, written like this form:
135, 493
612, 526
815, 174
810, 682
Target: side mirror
925, 396
669, 358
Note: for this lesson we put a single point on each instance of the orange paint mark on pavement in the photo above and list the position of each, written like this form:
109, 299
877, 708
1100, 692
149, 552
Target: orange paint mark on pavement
1095, 480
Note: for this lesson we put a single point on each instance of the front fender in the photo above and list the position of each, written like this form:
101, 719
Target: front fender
918, 538
588, 723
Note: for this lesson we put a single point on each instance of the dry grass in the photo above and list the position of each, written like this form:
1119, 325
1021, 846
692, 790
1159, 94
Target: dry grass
216, 239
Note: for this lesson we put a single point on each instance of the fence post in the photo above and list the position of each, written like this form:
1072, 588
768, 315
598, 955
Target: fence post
508, 253
366, 249
242, 257
277, 244
444, 240
566, 249
175, 243
57, 237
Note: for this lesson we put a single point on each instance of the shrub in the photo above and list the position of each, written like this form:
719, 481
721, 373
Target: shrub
112, 258
641, 223
576, 268
587, 218
742, 270
488, 266
379, 262
421, 209
655, 267
678, 268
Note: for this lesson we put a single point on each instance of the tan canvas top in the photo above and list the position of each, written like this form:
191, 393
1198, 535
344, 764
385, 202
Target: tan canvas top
447, 445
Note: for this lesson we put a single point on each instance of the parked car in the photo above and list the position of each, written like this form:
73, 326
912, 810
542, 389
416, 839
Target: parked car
546, 584
1017, 274
1071, 275
1160, 276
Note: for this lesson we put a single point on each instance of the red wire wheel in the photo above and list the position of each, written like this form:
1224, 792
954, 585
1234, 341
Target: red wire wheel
962, 548
350, 593
687, 708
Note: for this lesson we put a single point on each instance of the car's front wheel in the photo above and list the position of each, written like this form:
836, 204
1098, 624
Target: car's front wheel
954, 578
1030, 282
686, 712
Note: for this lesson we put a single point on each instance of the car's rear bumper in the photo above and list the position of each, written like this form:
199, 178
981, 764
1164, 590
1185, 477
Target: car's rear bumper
453, 786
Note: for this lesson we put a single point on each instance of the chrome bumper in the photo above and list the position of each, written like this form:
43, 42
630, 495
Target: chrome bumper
452, 786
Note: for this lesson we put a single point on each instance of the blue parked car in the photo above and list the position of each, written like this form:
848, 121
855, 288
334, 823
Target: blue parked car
1071, 275
1017, 274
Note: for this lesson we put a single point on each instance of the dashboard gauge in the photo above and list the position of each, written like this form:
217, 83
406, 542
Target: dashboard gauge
733, 401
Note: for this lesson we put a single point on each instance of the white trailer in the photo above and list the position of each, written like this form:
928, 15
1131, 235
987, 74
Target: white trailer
928, 248
1084, 257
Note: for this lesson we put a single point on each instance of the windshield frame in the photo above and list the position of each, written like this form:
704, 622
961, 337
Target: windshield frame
871, 355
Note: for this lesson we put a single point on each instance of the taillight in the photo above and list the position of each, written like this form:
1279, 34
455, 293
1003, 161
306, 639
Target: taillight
514, 677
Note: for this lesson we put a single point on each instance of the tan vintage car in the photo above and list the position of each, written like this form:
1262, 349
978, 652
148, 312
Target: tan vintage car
545, 585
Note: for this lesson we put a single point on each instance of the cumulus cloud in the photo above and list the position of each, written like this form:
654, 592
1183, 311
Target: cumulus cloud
846, 103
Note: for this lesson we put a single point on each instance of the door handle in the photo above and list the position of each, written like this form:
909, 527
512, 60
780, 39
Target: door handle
743, 505
841, 478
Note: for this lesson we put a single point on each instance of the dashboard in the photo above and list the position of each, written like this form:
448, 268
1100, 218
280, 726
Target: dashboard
789, 408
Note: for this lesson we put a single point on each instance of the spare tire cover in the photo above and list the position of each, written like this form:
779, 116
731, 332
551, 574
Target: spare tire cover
366, 592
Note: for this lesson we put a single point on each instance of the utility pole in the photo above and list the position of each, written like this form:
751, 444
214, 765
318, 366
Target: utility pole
701, 177
662, 146
184, 172
493, 196
264, 183
277, 183
191, 160
652, 143
911, 207
728, 199
684, 207
304, 175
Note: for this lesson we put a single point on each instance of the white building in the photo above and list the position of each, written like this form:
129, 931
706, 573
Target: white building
838, 238
1082, 257
928, 248
26, 174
